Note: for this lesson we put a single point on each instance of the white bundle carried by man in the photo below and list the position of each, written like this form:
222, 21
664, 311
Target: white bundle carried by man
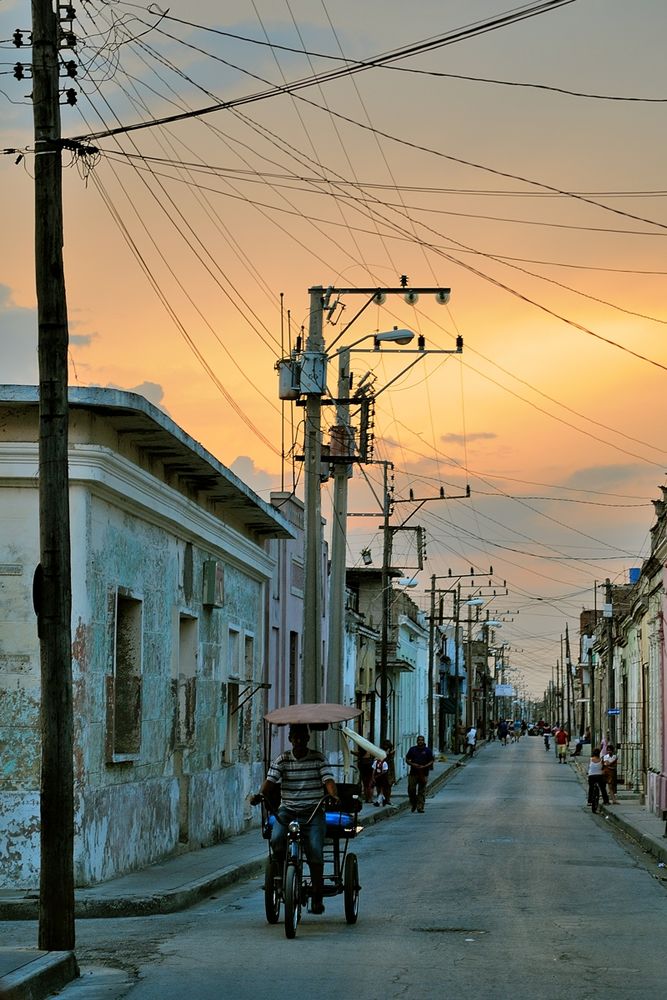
363, 743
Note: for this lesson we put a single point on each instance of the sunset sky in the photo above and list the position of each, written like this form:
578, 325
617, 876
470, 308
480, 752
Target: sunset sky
523, 162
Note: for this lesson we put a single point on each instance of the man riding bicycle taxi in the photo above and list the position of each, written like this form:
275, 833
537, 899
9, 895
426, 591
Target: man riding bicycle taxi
302, 778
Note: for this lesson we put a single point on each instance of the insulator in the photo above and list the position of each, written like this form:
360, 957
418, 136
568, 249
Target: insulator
18, 71
70, 96
71, 68
18, 38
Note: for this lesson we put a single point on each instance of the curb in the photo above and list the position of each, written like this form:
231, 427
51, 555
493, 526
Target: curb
41, 977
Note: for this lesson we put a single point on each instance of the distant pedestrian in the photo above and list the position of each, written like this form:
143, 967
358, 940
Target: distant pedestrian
381, 782
547, 739
471, 741
365, 768
502, 732
420, 759
596, 777
390, 751
562, 739
609, 770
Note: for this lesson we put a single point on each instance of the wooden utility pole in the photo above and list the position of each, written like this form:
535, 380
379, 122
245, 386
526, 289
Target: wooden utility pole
53, 587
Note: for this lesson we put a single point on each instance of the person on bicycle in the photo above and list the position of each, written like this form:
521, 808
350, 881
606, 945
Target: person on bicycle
596, 776
303, 778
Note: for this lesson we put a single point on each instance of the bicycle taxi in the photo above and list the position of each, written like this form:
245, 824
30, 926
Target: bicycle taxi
287, 883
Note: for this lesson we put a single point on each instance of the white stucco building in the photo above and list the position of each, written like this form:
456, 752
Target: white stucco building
170, 572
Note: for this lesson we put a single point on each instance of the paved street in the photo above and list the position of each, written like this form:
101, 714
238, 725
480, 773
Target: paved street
507, 885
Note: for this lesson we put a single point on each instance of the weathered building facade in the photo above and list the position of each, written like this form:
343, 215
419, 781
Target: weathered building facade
170, 571
623, 671
406, 660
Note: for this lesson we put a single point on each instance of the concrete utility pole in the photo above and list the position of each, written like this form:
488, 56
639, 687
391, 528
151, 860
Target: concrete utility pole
568, 667
53, 587
386, 609
469, 672
313, 385
342, 472
611, 686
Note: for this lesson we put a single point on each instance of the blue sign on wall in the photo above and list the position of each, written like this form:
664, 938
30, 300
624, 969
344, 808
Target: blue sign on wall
613, 711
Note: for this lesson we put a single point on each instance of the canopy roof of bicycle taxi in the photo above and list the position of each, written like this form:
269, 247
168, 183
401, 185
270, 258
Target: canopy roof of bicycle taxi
317, 716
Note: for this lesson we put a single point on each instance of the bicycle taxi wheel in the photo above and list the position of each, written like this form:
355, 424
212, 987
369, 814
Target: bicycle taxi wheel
272, 893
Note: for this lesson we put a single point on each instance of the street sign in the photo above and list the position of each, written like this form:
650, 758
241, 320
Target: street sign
613, 711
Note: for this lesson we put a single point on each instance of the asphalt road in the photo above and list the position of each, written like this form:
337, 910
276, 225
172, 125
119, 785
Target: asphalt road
506, 886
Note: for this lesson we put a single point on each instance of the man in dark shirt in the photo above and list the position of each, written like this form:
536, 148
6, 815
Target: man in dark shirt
420, 758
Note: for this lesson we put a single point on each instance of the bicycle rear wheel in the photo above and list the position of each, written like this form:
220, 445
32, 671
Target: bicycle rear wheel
351, 888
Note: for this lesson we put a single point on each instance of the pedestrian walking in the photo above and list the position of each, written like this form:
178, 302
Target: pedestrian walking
420, 759
365, 768
596, 777
471, 741
502, 732
562, 740
381, 782
609, 770
390, 751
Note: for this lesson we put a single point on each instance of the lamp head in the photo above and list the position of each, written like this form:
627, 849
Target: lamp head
395, 336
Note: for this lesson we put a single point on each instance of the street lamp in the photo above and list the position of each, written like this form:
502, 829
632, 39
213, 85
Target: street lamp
395, 336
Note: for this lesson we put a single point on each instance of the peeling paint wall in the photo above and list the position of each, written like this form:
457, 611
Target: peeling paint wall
20, 745
178, 788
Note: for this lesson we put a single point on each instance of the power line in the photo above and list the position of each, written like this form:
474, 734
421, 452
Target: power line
417, 48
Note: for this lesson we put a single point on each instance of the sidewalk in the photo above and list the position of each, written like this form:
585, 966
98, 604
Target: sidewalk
634, 819
175, 884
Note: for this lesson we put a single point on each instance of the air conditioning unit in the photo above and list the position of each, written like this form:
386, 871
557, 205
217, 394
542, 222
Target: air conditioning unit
214, 584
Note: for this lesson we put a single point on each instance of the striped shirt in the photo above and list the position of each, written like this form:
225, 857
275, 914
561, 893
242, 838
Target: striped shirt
301, 781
